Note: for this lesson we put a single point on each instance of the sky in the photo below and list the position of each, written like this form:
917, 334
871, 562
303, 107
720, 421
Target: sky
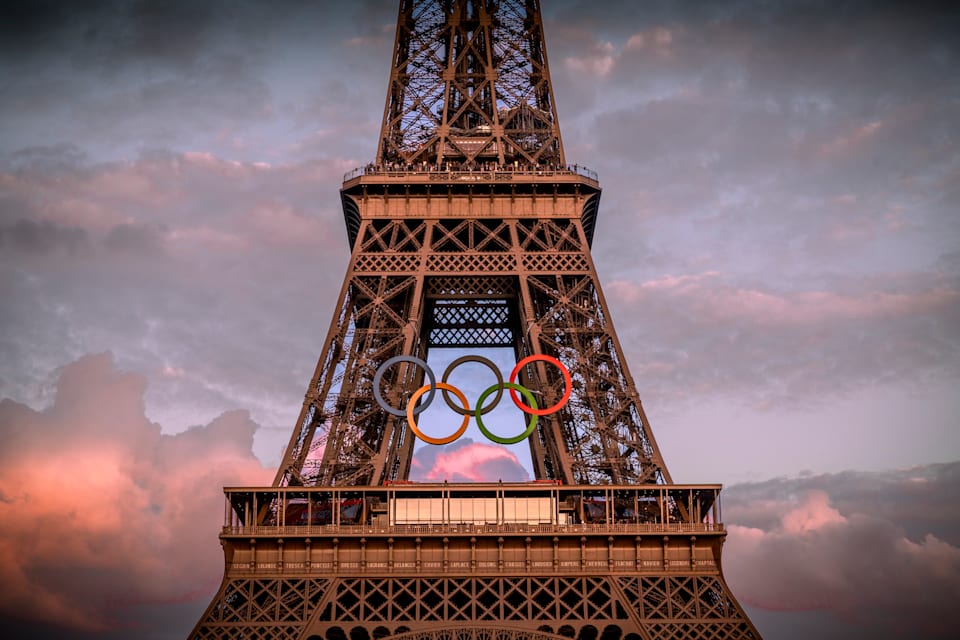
778, 241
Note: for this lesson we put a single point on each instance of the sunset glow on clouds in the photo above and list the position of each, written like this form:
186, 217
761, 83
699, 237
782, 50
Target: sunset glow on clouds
842, 550
778, 243
467, 461
99, 511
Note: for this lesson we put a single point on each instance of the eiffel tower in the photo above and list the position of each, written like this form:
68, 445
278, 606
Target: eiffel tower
471, 230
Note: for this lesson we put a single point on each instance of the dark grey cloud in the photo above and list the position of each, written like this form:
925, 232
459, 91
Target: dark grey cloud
29, 236
135, 238
120, 77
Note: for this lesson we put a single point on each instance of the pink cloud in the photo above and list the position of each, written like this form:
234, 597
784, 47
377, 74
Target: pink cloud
709, 297
100, 511
281, 225
858, 567
474, 462
190, 194
657, 40
851, 140
812, 514
598, 60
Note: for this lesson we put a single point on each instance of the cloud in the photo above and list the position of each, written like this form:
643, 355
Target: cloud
100, 512
703, 334
830, 543
599, 60
175, 74
467, 461
32, 237
164, 260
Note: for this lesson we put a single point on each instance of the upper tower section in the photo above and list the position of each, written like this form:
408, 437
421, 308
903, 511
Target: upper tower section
470, 86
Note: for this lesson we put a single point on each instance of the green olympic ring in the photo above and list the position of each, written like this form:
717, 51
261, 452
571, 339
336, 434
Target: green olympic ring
526, 394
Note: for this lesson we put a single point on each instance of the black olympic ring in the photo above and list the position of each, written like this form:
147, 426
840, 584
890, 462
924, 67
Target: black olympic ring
480, 360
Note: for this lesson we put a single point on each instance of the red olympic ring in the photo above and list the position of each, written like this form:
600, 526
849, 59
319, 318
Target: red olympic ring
567, 384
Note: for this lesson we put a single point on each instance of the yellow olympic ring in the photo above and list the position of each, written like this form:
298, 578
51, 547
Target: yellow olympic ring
412, 420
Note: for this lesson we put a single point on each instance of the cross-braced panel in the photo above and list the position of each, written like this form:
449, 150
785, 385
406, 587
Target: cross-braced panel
470, 84
465, 599
474, 633
605, 432
471, 235
260, 608
459, 287
547, 234
341, 428
480, 323
393, 235
693, 607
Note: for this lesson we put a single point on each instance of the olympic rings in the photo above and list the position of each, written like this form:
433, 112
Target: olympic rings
412, 410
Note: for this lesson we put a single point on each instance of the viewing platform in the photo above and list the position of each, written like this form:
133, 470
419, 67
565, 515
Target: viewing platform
474, 508
487, 173
476, 529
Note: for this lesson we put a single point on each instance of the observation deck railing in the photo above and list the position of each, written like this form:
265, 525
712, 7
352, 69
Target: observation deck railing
456, 172
495, 508
472, 529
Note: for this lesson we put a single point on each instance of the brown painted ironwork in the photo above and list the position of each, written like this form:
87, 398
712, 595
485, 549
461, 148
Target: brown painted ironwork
469, 230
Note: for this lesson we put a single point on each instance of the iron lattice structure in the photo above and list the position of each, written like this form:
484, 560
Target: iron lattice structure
470, 231
470, 84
